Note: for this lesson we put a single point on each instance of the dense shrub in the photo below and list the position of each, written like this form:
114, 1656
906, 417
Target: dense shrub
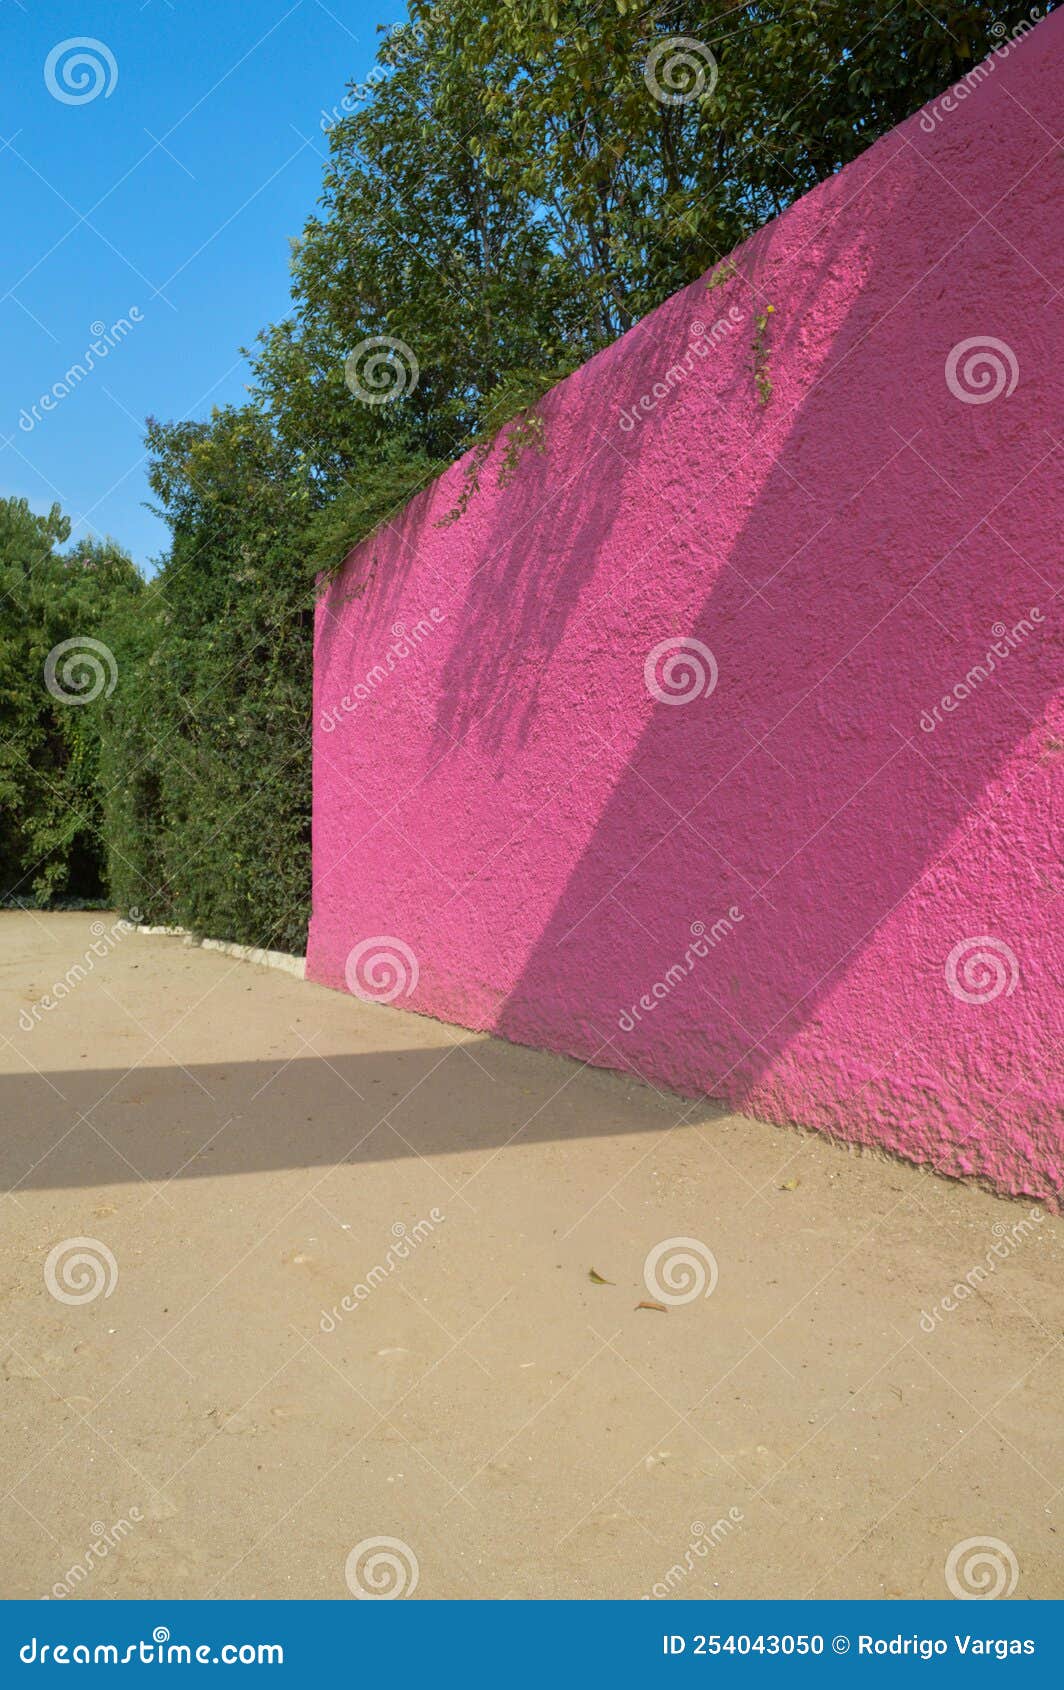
55, 675
207, 755
510, 197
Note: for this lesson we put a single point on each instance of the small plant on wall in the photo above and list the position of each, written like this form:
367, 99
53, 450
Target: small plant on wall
762, 375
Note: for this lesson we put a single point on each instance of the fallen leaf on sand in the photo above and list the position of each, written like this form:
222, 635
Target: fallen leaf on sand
234, 1420
791, 1184
597, 1279
647, 1303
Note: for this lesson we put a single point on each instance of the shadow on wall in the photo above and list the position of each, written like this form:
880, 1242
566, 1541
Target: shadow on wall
889, 537
876, 880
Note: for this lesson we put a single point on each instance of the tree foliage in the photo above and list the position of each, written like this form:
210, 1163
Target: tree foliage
207, 760
54, 682
523, 181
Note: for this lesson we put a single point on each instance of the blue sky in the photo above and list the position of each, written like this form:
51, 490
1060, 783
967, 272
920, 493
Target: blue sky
172, 196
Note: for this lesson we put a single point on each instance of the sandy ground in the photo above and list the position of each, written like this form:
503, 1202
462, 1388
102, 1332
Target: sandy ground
249, 1149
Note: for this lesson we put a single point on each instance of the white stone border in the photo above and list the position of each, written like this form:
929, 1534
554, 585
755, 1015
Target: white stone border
296, 965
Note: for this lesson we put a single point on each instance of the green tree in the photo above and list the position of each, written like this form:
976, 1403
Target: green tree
56, 672
207, 760
528, 178
524, 180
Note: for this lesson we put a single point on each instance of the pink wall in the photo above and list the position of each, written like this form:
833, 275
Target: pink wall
515, 793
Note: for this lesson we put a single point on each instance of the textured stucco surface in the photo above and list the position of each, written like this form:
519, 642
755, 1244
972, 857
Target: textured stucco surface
497, 787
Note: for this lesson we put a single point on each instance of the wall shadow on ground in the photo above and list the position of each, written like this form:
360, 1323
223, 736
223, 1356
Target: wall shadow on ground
163, 1123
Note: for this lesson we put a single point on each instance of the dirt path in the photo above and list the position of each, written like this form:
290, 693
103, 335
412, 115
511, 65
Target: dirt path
248, 1149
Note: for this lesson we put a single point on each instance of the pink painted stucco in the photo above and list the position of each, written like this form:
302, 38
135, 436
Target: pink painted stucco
498, 789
